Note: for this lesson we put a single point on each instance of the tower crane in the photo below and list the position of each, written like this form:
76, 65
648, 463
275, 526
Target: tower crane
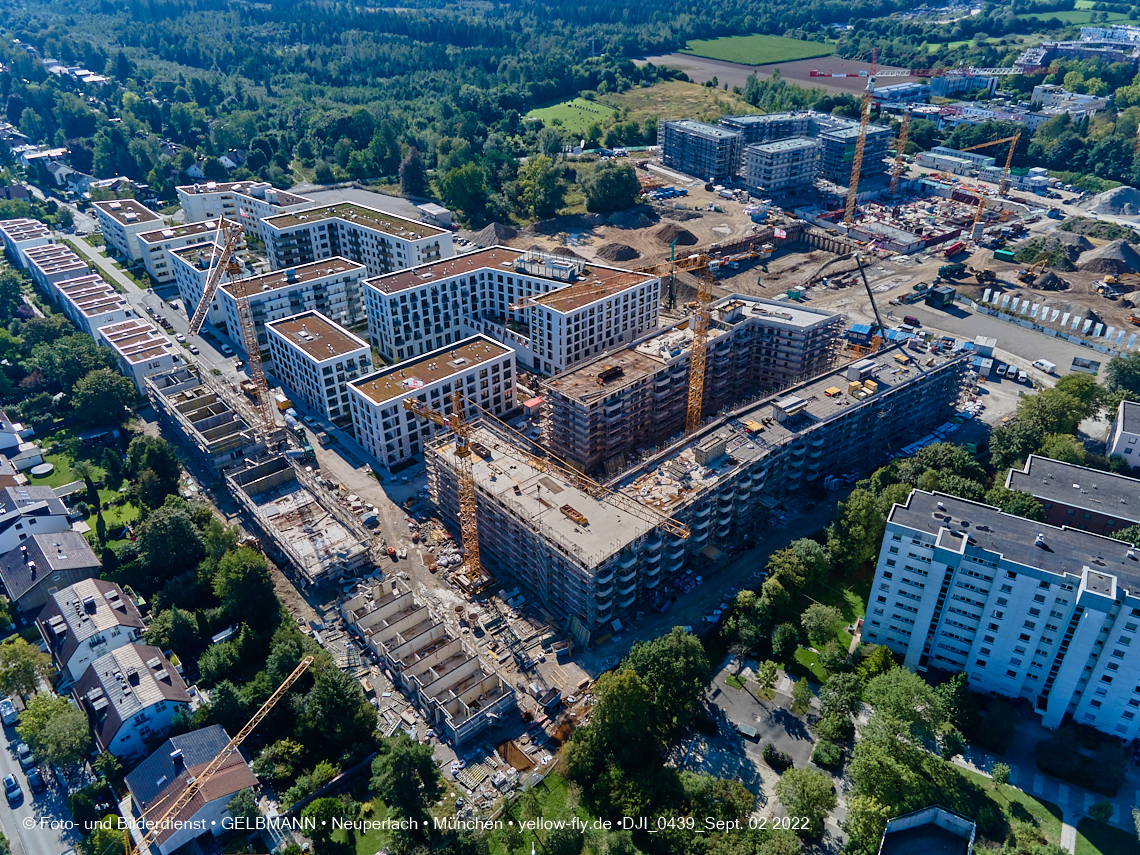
195, 784
861, 143
1003, 185
900, 151
476, 576
220, 263
700, 349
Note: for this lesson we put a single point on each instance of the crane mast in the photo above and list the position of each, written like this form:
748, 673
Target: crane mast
900, 151
861, 143
196, 783
700, 349
227, 236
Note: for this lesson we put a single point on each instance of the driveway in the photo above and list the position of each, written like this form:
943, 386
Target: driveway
40, 824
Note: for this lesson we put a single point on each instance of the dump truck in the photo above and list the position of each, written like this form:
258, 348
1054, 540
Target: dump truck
952, 270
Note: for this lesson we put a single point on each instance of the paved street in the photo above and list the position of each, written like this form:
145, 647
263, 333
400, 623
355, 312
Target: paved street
40, 809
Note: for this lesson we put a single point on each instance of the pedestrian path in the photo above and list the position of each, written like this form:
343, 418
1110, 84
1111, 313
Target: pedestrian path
105, 265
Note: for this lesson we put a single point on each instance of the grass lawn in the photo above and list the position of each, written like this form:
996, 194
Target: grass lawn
678, 98
1074, 16
550, 800
1094, 838
574, 116
94, 240
757, 49
1021, 806
807, 665
735, 681
116, 516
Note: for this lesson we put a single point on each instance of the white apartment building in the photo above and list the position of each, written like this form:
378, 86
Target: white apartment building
381, 242
141, 349
481, 368
122, 221
52, 263
1124, 435
22, 234
91, 303
155, 245
574, 310
316, 360
1026, 609
781, 166
248, 202
190, 267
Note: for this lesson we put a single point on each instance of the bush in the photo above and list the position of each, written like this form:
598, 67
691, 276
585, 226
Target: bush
827, 754
1061, 756
834, 728
775, 758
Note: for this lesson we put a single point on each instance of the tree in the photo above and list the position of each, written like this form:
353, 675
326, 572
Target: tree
1052, 412
1084, 388
244, 804
1015, 502
175, 629
1011, 444
610, 186
11, 296
413, 174
540, 188
322, 813
906, 697
336, 716
841, 695
956, 701
815, 559
809, 794
617, 728
801, 694
766, 674
70, 358
866, 818
819, 621
153, 462
1101, 811
550, 142
103, 397
243, 580
23, 667
1000, 774
1123, 373
855, 535
465, 188
878, 661
104, 839
785, 641
169, 539
676, 671
1136, 821
405, 777
950, 741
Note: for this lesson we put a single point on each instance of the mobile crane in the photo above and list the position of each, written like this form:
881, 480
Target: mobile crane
195, 784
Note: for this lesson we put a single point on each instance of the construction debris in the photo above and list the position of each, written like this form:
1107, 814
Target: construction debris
1115, 257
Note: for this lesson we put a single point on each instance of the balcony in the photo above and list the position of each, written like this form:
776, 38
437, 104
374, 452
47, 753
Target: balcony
653, 583
626, 577
627, 590
627, 561
653, 558
654, 543
652, 571
702, 511
625, 604
604, 580
603, 593
725, 530
702, 525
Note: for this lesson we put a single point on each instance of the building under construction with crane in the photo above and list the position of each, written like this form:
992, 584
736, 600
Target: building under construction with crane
607, 409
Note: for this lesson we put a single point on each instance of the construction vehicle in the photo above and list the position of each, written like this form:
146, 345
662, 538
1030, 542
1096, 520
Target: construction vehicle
1031, 273
229, 234
195, 784
1107, 291
1134, 319
984, 275
952, 270
900, 151
1003, 185
860, 144
954, 249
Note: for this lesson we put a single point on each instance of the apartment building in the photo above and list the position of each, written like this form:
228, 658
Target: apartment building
140, 348
478, 366
46, 556
838, 137
770, 127
567, 311
316, 360
21, 234
122, 221
784, 166
131, 695
156, 245
191, 404
606, 409
1079, 497
707, 151
381, 242
84, 621
459, 695
91, 303
53, 263
247, 202
1026, 609
1124, 435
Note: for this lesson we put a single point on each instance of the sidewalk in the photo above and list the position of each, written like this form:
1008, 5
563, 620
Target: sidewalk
106, 267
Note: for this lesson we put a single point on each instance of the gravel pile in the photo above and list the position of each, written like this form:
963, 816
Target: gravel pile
630, 220
1121, 202
1050, 281
493, 234
1115, 257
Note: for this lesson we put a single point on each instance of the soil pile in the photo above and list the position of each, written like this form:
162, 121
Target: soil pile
630, 220
618, 252
1050, 281
493, 234
668, 233
1121, 201
1115, 257
563, 251
678, 214
1080, 243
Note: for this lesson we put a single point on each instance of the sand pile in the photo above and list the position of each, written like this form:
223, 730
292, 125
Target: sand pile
1121, 202
564, 251
1115, 257
669, 233
618, 252
493, 234
630, 220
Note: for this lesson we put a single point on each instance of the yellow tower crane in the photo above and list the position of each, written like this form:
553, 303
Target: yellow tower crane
1003, 185
860, 144
476, 576
195, 784
700, 349
900, 151
228, 235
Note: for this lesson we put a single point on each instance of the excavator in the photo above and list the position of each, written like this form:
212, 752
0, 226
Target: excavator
1032, 272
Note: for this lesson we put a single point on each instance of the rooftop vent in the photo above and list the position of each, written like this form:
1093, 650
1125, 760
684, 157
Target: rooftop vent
1040, 541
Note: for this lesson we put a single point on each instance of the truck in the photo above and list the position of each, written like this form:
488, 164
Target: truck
954, 249
1055, 214
1003, 255
1045, 365
951, 270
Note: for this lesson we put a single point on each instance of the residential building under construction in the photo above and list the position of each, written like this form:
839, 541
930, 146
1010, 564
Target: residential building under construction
459, 694
594, 559
606, 409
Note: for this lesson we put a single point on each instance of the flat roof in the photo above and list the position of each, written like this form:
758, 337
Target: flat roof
924, 840
358, 215
23, 229
407, 378
244, 188
195, 254
185, 230
136, 340
281, 278
704, 129
1066, 550
784, 145
91, 295
1107, 493
317, 336
768, 118
129, 212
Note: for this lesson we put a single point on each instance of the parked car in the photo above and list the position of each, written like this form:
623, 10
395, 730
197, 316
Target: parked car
36, 781
12, 790
8, 713
179, 338
24, 752
226, 350
194, 349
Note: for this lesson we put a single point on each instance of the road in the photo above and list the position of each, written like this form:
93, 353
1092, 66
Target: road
40, 810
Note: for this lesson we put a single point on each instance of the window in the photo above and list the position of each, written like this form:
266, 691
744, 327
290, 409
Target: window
981, 663
1104, 678
1005, 589
1011, 673
1024, 636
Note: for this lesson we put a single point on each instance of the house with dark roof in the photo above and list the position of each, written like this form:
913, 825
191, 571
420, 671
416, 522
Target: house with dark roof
131, 695
157, 782
34, 569
84, 621
1077, 496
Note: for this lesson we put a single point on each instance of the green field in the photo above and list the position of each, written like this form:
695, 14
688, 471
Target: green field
574, 116
757, 50
1074, 16
1093, 838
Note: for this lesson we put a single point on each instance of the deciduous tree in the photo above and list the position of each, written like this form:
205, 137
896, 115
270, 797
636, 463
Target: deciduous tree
676, 671
405, 777
103, 397
819, 621
809, 794
23, 666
